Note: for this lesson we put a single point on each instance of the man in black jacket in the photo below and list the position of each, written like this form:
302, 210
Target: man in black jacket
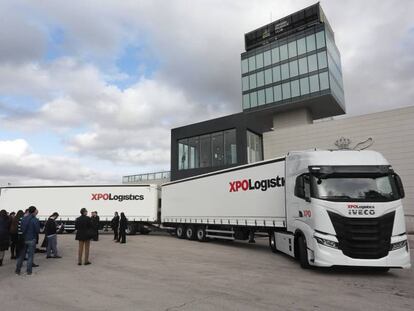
115, 225
95, 224
51, 234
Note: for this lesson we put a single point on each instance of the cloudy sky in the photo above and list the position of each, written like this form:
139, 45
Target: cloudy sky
89, 90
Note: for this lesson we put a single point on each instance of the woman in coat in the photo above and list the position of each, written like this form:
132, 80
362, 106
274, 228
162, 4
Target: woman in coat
123, 223
4, 234
84, 234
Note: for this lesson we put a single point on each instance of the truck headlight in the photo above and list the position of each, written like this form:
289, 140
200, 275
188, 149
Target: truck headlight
326, 242
398, 245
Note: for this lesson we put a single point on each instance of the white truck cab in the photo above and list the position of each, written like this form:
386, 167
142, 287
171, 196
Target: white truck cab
344, 208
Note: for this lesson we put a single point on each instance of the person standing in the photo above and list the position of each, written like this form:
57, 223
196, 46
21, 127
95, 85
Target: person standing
14, 236
114, 225
123, 224
4, 234
84, 233
51, 234
30, 227
95, 224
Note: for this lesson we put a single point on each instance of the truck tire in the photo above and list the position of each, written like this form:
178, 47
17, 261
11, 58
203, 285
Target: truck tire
131, 229
272, 242
303, 253
180, 233
190, 233
201, 234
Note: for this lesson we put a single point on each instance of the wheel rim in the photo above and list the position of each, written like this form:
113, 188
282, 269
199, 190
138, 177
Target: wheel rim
189, 233
179, 231
200, 234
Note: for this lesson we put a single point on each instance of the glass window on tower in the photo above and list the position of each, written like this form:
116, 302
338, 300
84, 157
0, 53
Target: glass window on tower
277, 93
254, 147
310, 43
304, 86
292, 49
269, 95
303, 65
324, 81
183, 154
230, 147
286, 90
268, 76
314, 83
320, 39
312, 63
245, 83
253, 99
217, 146
244, 66
252, 81
275, 55
293, 68
260, 78
301, 46
267, 58
322, 62
193, 152
285, 71
294, 85
259, 60
261, 97
246, 101
284, 52
252, 63
276, 74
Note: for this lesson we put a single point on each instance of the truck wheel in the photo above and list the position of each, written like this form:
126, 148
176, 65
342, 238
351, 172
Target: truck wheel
272, 242
201, 234
180, 232
190, 233
303, 253
131, 229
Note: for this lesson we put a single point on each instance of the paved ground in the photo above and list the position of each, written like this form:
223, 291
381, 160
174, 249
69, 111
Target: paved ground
159, 272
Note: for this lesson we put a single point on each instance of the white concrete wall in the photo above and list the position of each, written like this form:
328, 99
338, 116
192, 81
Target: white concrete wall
392, 132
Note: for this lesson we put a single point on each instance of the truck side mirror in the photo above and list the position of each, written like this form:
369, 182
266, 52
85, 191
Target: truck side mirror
400, 186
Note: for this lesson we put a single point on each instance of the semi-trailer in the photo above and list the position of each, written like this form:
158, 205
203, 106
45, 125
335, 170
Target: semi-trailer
325, 208
139, 202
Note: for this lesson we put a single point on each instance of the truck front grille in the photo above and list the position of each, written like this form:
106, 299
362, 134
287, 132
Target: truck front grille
363, 238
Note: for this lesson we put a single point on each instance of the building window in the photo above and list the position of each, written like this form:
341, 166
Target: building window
209, 150
253, 99
314, 83
286, 90
252, 79
244, 66
254, 147
285, 71
301, 46
283, 52
324, 81
276, 74
275, 55
260, 78
245, 83
246, 101
310, 43
303, 65
277, 93
312, 63
322, 62
268, 76
292, 49
261, 97
269, 95
252, 63
293, 68
320, 39
267, 58
304, 86
295, 88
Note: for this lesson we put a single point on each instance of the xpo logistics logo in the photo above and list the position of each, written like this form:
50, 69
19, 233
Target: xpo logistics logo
116, 197
264, 184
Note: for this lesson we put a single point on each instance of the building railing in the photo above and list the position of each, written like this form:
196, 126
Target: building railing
146, 177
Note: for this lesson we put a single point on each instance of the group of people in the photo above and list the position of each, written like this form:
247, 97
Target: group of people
119, 226
20, 232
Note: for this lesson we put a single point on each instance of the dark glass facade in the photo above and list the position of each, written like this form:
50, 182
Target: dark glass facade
293, 65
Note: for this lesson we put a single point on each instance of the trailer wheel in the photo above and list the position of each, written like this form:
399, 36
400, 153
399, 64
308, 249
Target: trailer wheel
180, 232
272, 242
190, 233
201, 234
303, 253
131, 229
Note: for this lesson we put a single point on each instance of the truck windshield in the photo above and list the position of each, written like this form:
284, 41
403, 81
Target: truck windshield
380, 188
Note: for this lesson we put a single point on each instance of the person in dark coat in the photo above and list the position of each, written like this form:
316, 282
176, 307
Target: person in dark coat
95, 225
114, 225
51, 234
14, 236
123, 224
84, 234
4, 234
